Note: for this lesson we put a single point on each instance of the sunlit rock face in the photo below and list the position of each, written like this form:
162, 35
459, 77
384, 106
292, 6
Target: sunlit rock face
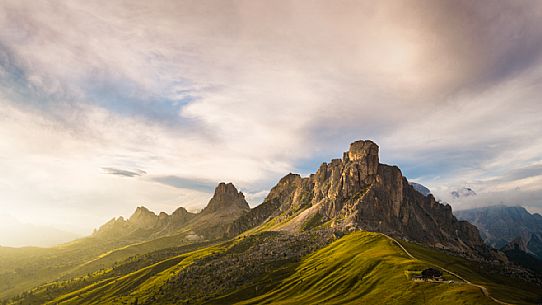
357, 192
227, 205
227, 197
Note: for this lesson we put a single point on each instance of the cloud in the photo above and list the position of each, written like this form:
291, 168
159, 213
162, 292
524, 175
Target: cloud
186, 183
122, 172
522, 173
255, 198
195, 92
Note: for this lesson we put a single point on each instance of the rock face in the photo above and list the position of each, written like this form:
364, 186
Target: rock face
501, 225
227, 205
226, 198
518, 243
357, 192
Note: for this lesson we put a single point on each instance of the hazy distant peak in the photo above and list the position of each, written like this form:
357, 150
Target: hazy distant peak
502, 224
420, 188
463, 193
143, 218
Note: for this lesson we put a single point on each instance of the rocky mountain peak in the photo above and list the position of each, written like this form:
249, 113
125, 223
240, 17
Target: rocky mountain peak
361, 150
143, 218
181, 215
357, 192
226, 197
180, 211
141, 210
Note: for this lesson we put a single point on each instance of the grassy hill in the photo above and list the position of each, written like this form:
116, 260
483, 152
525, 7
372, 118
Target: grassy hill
362, 267
259, 269
24, 268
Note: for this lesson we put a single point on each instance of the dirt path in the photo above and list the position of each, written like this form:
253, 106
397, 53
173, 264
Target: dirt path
484, 289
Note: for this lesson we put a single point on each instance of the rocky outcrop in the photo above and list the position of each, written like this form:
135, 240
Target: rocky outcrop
226, 206
357, 192
518, 243
226, 199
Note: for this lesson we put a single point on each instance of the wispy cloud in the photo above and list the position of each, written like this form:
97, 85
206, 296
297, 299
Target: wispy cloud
123, 172
186, 183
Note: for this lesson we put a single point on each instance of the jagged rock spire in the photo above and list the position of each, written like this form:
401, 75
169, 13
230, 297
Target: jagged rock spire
227, 197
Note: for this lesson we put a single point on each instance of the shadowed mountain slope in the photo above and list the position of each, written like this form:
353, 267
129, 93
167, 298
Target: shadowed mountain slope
501, 225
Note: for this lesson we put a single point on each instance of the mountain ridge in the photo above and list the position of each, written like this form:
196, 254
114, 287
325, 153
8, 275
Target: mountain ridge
501, 225
226, 205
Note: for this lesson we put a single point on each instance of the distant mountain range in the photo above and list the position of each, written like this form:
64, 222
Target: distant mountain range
356, 231
226, 205
501, 225
513, 230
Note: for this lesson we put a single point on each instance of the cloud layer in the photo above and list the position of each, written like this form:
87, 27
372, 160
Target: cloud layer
196, 92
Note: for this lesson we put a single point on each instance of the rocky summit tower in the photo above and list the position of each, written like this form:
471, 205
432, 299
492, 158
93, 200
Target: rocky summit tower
358, 192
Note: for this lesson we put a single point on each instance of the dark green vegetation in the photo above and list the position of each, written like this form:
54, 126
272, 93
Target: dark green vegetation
524, 259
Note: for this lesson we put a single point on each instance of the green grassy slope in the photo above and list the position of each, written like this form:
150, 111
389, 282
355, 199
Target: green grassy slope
368, 268
503, 288
118, 290
25, 268
53, 289
31, 268
109, 258
361, 267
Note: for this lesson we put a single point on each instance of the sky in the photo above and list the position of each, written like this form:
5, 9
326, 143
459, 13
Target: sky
108, 105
